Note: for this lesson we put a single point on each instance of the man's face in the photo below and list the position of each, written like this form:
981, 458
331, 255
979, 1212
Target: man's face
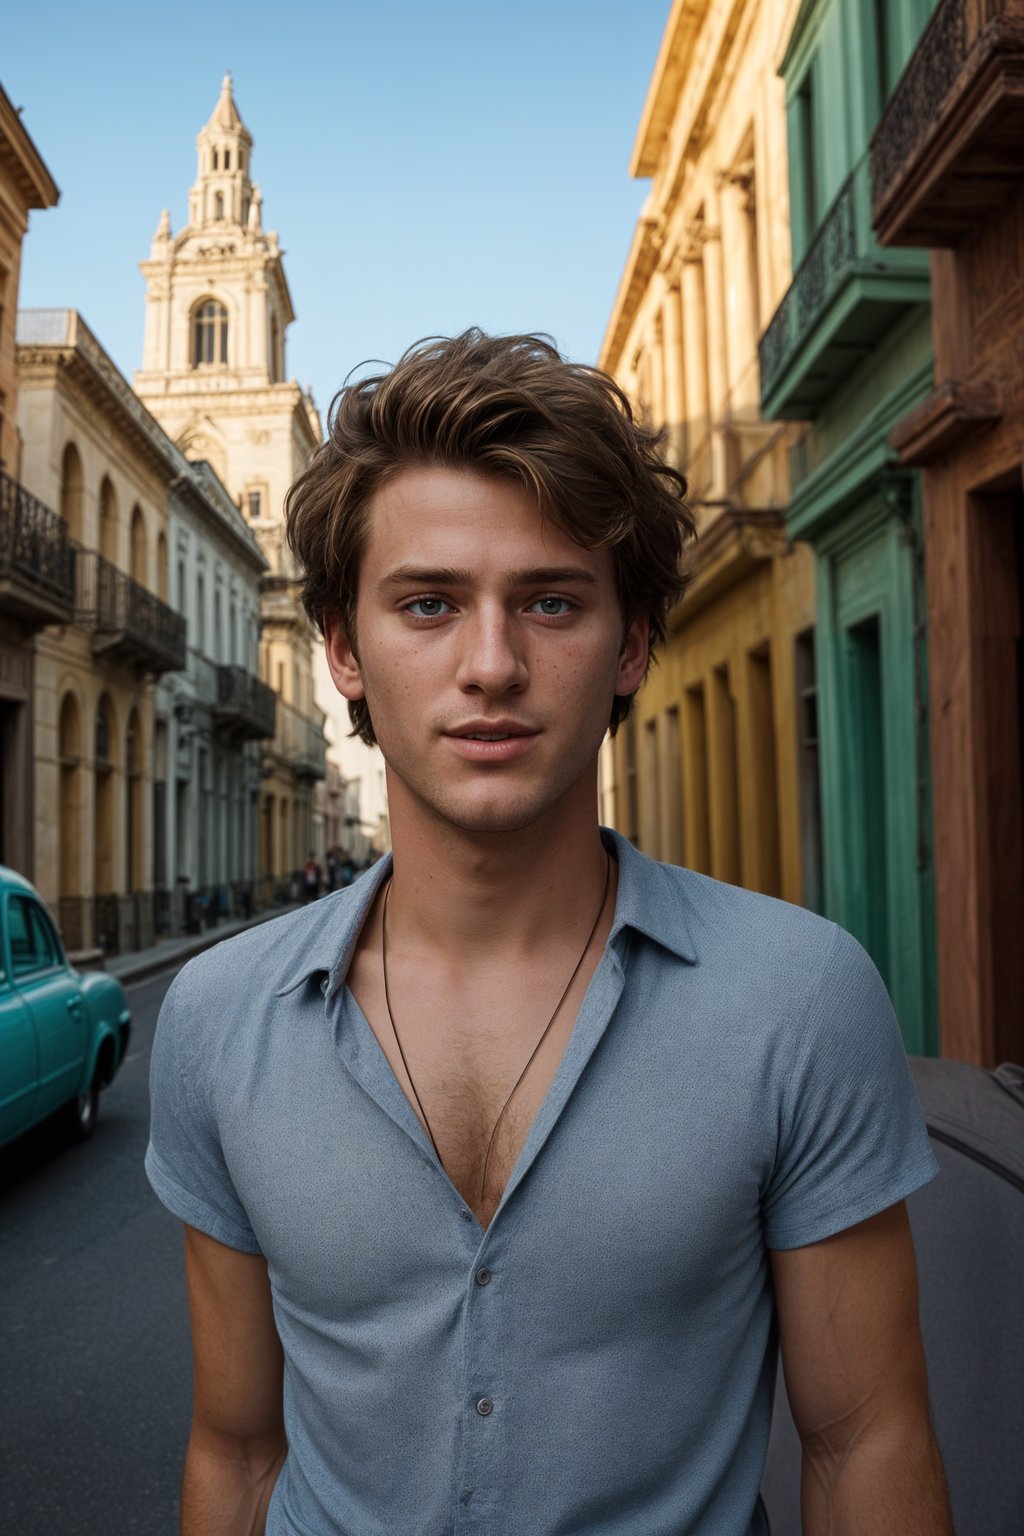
490, 648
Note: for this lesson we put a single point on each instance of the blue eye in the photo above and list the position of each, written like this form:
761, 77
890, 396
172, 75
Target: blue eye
552, 607
428, 607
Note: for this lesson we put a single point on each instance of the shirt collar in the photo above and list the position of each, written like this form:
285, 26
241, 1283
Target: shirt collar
333, 928
649, 900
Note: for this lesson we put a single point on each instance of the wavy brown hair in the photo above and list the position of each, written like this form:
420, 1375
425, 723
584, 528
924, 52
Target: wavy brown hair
499, 405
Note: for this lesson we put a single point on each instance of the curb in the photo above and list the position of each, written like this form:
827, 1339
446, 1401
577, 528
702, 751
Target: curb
128, 969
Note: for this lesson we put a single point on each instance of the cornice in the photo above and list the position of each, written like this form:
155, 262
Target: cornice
20, 161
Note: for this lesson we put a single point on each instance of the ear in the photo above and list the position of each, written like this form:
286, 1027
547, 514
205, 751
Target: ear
633, 656
342, 660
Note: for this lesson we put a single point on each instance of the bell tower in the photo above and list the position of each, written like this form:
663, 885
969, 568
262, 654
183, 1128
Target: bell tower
214, 375
217, 305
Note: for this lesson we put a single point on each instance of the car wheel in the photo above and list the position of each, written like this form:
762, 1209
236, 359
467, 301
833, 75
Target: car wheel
82, 1114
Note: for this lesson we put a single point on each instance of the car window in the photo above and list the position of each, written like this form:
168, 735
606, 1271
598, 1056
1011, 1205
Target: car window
33, 945
40, 916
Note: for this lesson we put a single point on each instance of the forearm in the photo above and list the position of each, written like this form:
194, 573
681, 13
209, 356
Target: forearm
226, 1489
886, 1483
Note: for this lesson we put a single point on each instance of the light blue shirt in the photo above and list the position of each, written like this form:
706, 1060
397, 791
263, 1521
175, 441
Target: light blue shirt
600, 1361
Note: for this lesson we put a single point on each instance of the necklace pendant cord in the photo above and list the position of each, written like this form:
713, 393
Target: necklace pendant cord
540, 1039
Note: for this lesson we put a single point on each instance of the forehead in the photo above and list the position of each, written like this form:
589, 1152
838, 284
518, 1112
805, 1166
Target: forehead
432, 515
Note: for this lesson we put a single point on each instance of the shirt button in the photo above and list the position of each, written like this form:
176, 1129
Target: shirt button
466, 1215
483, 1275
484, 1407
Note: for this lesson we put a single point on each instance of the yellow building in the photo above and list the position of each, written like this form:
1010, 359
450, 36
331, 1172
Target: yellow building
36, 584
717, 766
214, 375
90, 450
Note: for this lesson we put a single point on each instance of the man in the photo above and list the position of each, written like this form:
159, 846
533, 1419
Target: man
502, 1170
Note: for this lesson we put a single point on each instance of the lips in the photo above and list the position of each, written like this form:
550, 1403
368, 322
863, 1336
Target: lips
491, 741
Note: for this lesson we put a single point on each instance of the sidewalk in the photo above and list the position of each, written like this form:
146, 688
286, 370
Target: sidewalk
141, 963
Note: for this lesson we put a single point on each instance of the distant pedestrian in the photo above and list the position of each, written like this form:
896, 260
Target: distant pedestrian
311, 879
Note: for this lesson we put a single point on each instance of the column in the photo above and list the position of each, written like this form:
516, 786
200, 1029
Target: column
740, 295
718, 388
672, 334
695, 367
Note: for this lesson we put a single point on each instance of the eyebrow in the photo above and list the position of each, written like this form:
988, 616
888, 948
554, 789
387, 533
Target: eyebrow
447, 576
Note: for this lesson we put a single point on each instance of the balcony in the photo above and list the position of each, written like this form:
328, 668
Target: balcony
129, 623
846, 295
948, 147
300, 743
245, 707
37, 573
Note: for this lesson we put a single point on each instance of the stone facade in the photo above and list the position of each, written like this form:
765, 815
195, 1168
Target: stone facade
138, 704
712, 768
214, 374
35, 576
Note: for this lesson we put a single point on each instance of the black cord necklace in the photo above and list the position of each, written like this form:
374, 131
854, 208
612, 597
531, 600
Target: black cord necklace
540, 1041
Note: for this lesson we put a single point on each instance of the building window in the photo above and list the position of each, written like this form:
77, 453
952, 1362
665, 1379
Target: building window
227, 159
216, 166
809, 772
255, 505
210, 335
808, 156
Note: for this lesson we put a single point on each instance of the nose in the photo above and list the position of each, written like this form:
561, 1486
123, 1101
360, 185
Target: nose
493, 657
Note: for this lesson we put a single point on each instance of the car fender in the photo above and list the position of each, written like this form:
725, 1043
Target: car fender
111, 1017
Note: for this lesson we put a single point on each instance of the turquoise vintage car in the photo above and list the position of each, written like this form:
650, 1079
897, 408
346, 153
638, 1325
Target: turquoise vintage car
63, 1033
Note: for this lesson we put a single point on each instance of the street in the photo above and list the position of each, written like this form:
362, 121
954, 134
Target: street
96, 1382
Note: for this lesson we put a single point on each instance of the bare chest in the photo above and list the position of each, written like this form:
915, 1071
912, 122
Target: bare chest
476, 1063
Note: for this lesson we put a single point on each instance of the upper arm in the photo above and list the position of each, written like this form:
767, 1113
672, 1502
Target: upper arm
238, 1363
848, 1326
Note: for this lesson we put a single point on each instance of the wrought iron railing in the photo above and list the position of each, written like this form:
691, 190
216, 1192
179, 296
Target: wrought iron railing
819, 276
301, 742
34, 544
916, 104
243, 697
123, 612
106, 925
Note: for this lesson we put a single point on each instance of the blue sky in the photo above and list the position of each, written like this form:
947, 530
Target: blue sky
427, 165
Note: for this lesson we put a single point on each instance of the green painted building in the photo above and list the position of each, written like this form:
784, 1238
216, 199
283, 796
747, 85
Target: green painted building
849, 352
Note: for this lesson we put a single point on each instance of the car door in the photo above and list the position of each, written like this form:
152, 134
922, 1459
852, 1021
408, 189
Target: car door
18, 1053
42, 980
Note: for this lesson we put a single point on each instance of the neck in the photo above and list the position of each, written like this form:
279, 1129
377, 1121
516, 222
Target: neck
484, 892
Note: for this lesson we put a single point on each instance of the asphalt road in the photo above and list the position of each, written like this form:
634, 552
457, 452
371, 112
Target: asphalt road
95, 1379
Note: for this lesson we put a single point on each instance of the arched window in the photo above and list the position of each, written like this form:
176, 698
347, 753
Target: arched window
209, 334
215, 163
218, 205
138, 546
162, 580
108, 522
71, 491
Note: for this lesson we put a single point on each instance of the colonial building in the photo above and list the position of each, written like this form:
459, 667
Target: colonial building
92, 451
947, 172
212, 716
848, 349
717, 767
138, 704
36, 583
214, 374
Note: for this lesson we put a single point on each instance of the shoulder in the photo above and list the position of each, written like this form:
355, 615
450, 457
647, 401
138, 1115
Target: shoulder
274, 957
726, 929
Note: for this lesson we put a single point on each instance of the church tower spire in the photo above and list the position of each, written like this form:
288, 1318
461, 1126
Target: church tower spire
214, 370
222, 192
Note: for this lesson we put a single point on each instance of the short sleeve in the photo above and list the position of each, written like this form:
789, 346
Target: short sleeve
184, 1161
852, 1140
